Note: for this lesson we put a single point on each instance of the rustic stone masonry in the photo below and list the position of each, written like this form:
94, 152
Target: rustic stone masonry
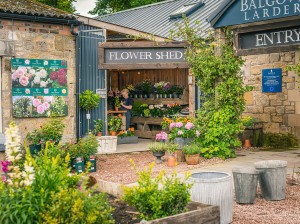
279, 112
40, 41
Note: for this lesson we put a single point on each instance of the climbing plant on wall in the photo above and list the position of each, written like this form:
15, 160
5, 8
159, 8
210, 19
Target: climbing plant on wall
295, 68
217, 69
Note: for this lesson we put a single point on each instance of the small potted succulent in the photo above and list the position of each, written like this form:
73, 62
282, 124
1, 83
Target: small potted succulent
192, 154
98, 127
159, 150
114, 124
171, 149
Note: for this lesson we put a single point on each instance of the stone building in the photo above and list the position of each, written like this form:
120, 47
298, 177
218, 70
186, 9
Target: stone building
267, 35
31, 30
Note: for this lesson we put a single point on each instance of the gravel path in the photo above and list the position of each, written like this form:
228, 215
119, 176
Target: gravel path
117, 168
270, 212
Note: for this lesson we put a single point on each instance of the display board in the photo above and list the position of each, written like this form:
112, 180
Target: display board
272, 80
39, 87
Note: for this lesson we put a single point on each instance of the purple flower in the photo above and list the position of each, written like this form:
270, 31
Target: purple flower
5, 166
197, 133
189, 125
172, 125
162, 136
180, 132
4, 178
179, 124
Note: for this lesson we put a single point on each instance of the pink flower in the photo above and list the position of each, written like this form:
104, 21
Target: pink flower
40, 109
189, 125
5, 166
27, 62
46, 91
162, 136
180, 132
14, 76
197, 133
4, 179
36, 102
179, 124
46, 105
23, 80
27, 91
172, 125
62, 72
54, 75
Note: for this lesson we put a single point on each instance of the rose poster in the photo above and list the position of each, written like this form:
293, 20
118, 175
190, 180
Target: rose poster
39, 87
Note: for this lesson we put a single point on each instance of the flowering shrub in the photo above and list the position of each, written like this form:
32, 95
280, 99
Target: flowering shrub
129, 132
183, 128
42, 190
173, 108
162, 136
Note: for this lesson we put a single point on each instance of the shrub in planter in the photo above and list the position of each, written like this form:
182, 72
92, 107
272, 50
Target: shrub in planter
159, 197
191, 153
280, 140
98, 127
159, 150
114, 123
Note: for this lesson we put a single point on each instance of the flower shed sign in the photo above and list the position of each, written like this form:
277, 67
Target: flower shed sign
249, 11
39, 87
139, 55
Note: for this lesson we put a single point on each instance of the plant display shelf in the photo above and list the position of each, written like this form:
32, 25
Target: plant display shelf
145, 131
116, 113
164, 101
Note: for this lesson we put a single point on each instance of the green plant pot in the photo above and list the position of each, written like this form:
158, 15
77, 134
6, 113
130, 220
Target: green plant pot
34, 149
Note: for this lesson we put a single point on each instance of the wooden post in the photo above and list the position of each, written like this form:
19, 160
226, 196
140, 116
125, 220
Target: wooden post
192, 99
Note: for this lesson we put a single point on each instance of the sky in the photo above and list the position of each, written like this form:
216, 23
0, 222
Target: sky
83, 6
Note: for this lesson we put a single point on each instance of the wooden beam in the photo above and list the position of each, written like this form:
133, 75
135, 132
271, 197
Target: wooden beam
119, 29
143, 44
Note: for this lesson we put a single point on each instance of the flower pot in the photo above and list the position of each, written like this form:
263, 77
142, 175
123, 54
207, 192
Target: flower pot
145, 96
135, 96
247, 143
175, 95
113, 133
157, 96
192, 159
141, 96
180, 96
158, 156
151, 95
170, 96
160, 96
116, 108
171, 161
34, 149
165, 96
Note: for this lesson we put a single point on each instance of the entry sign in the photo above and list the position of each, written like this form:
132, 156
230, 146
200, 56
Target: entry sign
272, 80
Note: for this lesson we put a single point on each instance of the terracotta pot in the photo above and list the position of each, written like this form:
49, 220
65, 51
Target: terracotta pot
171, 161
113, 133
192, 159
99, 134
116, 108
247, 143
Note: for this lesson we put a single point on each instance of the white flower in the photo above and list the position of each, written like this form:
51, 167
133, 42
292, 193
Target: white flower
37, 79
12, 143
32, 71
43, 84
151, 107
43, 73
46, 63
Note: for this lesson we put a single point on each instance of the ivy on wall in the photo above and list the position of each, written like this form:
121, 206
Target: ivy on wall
214, 64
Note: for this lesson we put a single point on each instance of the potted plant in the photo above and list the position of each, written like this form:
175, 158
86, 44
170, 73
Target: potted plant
192, 154
127, 137
88, 100
35, 141
146, 112
252, 132
98, 127
53, 131
159, 150
171, 149
117, 103
114, 124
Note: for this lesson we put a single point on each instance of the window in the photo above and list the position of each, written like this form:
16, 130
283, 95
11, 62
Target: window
186, 9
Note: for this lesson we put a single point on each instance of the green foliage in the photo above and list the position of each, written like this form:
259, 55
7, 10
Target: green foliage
110, 6
98, 127
117, 102
114, 123
65, 5
214, 64
191, 149
89, 100
59, 108
85, 147
21, 107
172, 147
280, 140
159, 197
158, 147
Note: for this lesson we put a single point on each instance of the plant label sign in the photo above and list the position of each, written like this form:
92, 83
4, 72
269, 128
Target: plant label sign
272, 80
39, 87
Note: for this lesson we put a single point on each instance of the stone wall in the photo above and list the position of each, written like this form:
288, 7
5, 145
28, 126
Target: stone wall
38, 41
279, 112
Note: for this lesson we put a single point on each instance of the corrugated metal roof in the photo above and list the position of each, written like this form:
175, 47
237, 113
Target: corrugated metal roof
31, 7
155, 18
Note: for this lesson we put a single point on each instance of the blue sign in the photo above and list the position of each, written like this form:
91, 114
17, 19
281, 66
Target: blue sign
249, 11
272, 80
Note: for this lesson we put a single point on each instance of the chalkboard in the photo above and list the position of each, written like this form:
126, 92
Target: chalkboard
272, 80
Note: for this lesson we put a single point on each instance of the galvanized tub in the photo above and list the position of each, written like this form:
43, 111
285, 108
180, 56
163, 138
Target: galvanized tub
214, 188
272, 179
245, 184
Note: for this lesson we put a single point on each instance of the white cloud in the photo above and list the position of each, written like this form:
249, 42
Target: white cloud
84, 6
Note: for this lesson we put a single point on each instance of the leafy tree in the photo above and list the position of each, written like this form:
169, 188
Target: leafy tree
65, 5
110, 6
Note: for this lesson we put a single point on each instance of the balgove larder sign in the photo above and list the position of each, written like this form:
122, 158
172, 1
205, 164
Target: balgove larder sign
247, 11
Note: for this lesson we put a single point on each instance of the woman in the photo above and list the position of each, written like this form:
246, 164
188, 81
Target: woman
126, 105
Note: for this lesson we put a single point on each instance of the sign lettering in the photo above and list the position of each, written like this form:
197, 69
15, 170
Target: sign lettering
272, 80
